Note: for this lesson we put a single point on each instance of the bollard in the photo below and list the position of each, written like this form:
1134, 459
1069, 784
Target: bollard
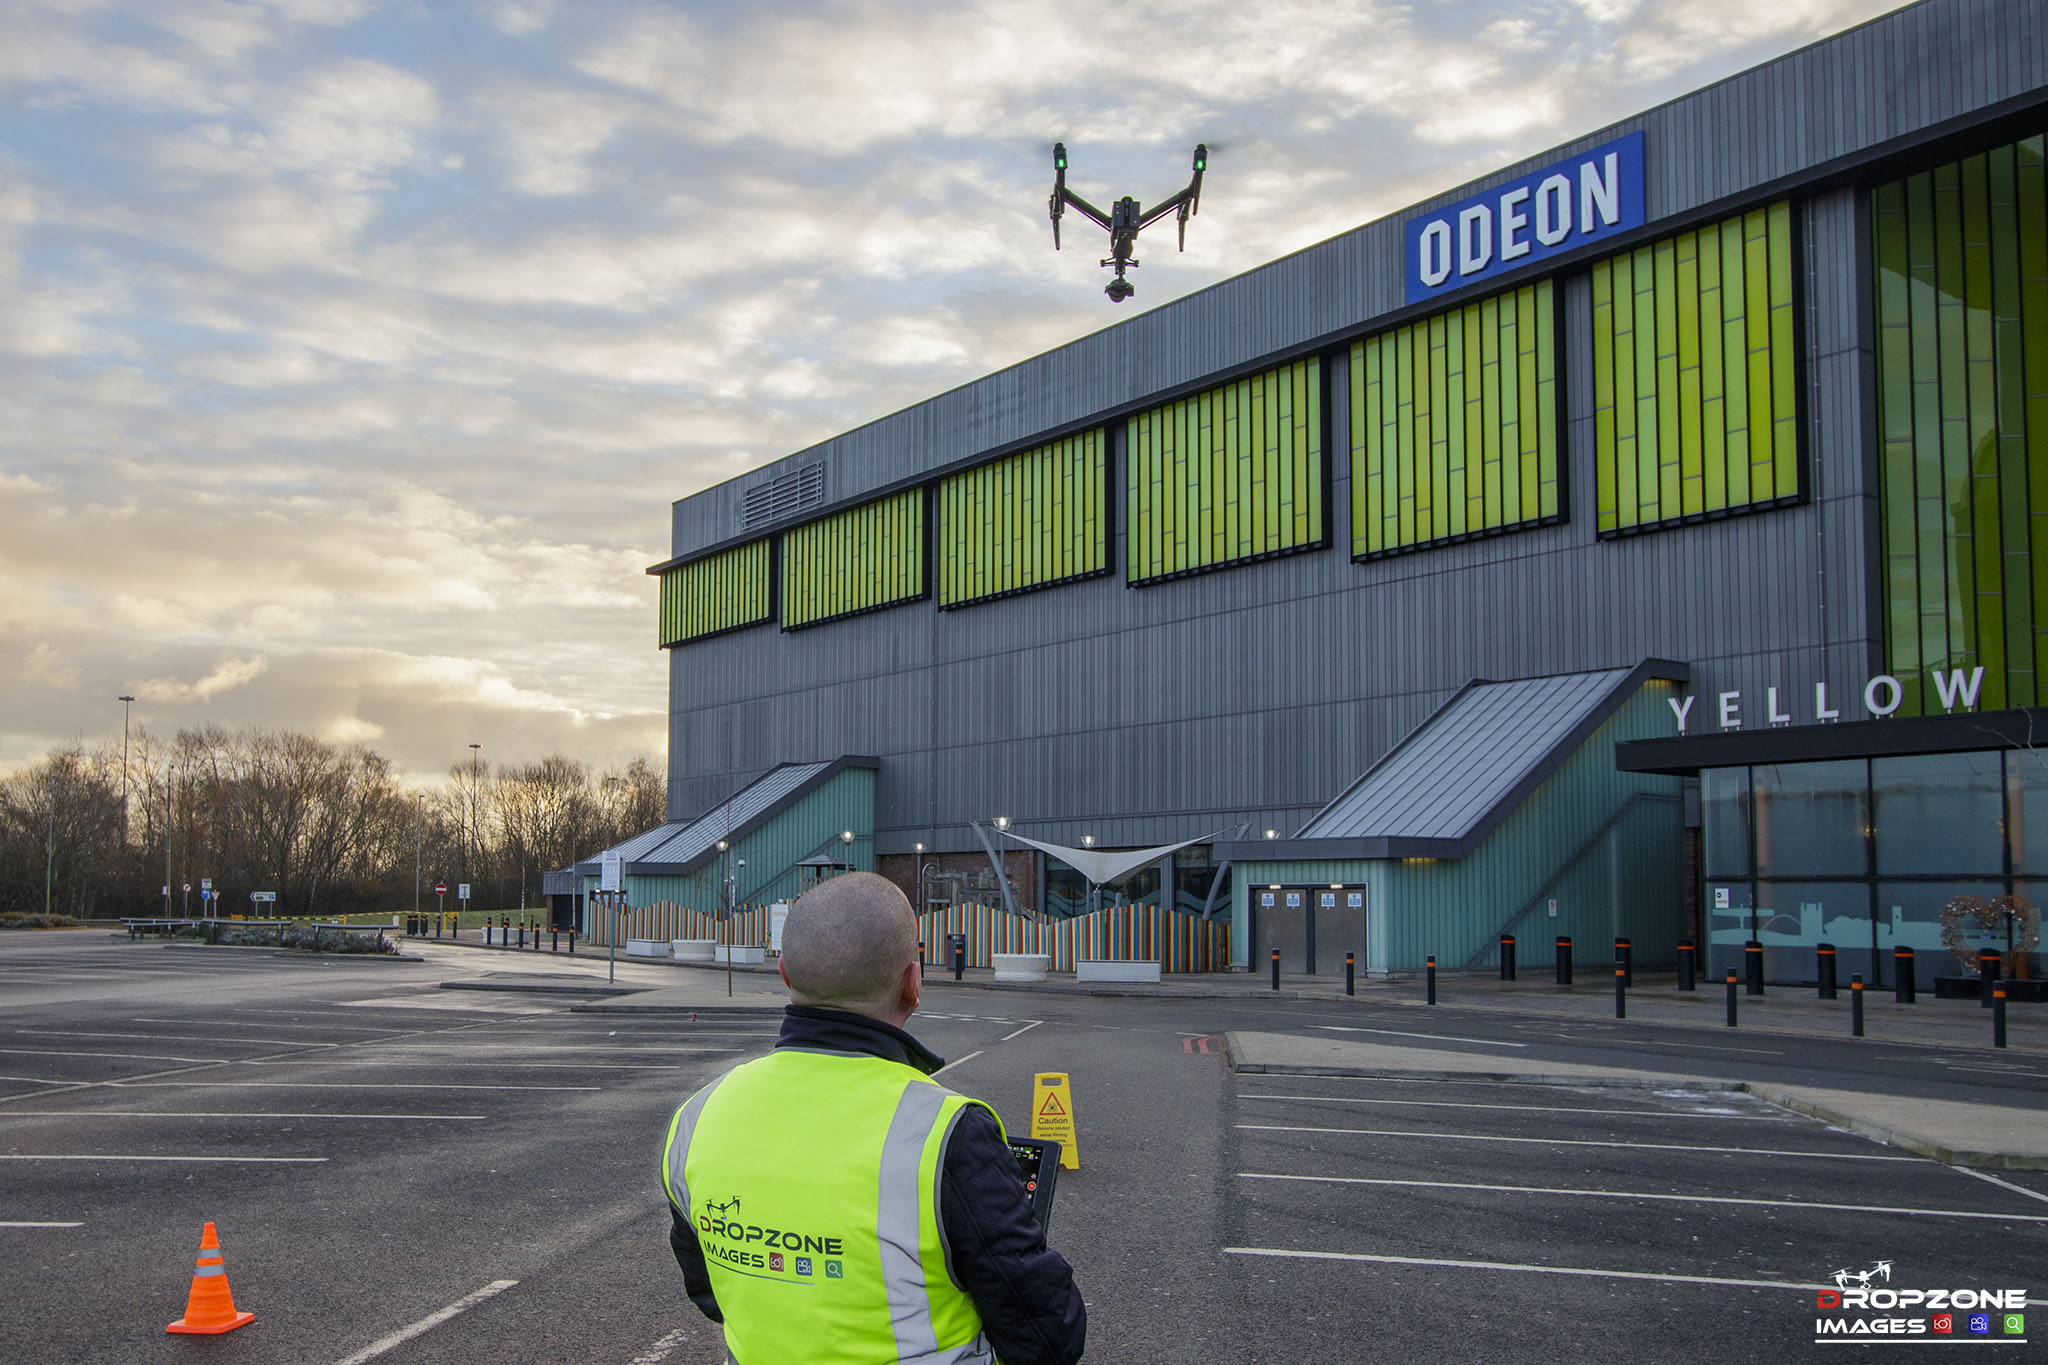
1620, 991
487, 933
1988, 960
1856, 1004
1731, 997
1998, 1014
1686, 966
572, 940
1564, 960
1430, 976
1507, 957
522, 933
1905, 989
554, 939
1824, 969
1753, 963
920, 959
1624, 953
1276, 969
536, 938
959, 956
1350, 974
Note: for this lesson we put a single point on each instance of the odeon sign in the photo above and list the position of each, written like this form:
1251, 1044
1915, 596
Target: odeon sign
1882, 695
1551, 210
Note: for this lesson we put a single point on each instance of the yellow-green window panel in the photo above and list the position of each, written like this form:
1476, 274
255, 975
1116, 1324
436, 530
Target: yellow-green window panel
1226, 476
1695, 375
1026, 521
721, 592
1961, 291
1454, 425
859, 560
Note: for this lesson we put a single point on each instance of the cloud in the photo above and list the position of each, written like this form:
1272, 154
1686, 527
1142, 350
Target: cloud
228, 675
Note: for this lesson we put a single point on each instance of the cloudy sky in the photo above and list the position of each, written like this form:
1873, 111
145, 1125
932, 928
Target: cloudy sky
352, 352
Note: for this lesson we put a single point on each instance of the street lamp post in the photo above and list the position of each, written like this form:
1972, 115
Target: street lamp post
126, 702
169, 769
419, 825
476, 833
50, 848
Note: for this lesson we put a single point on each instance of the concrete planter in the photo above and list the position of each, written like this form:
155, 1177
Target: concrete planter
1116, 971
1021, 966
740, 955
692, 949
646, 947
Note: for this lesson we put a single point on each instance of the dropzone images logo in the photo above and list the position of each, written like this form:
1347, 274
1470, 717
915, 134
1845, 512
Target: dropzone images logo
1858, 1312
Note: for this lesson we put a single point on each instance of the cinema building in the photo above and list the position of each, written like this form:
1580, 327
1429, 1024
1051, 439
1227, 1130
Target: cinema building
1638, 540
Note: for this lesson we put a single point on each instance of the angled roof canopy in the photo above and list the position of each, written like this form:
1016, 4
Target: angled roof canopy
1105, 867
683, 846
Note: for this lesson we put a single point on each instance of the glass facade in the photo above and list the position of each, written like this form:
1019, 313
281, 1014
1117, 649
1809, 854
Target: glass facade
715, 594
1227, 476
860, 560
1695, 375
1863, 854
1028, 521
1961, 296
1454, 425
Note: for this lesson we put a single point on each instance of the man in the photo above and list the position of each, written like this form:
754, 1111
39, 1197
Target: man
833, 1205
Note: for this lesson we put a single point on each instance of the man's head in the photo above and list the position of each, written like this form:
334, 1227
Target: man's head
851, 944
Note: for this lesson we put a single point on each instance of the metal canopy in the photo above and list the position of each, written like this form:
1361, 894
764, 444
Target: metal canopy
1109, 867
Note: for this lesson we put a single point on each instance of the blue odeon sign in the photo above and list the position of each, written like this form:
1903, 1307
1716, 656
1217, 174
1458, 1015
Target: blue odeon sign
1551, 210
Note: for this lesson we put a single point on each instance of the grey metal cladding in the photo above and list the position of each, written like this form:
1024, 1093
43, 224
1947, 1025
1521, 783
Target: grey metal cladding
1899, 77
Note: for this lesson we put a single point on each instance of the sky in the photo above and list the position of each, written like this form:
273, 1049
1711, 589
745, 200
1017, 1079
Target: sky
352, 353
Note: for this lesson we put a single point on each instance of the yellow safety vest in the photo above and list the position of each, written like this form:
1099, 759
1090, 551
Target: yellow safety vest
812, 1181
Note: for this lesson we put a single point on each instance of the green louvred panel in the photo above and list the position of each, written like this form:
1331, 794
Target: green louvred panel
1226, 476
715, 594
858, 560
1026, 521
1454, 425
1961, 256
1695, 375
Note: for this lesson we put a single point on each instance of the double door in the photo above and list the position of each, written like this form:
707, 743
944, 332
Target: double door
1311, 926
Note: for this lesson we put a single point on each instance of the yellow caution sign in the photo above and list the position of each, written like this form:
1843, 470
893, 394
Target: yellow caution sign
1052, 1116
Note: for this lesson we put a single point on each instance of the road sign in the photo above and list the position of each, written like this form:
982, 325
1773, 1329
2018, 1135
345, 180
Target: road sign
1052, 1115
440, 888
188, 888
206, 883
262, 896
608, 873
462, 892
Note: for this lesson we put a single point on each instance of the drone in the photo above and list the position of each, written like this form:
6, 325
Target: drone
1124, 221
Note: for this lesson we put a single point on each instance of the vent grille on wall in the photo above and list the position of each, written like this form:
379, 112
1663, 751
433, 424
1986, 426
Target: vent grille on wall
765, 504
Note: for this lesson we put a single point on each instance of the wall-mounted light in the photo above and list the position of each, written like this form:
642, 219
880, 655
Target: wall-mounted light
920, 848
723, 845
1002, 822
1336, 886
845, 836
1087, 841
1272, 834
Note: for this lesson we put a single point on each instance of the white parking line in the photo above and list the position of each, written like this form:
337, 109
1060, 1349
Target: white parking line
1575, 1142
660, 1350
2003, 1184
1698, 1047
428, 1323
175, 1037
295, 1014
332, 1085
1433, 1037
228, 1160
1665, 1198
429, 1061
35, 1080
957, 1062
1525, 1269
41, 1225
1021, 1032
6, 1114
1521, 1108
132, 1056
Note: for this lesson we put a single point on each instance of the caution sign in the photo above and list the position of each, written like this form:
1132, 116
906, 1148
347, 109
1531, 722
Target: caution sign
1052, 1116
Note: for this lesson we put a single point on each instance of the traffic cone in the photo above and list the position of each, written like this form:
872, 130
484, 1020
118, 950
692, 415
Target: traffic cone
210, 1309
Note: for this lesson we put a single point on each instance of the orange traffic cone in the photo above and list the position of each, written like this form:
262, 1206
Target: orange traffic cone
210, 1310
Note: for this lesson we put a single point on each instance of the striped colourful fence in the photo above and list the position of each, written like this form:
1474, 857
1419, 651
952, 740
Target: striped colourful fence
1128, 933
666, 920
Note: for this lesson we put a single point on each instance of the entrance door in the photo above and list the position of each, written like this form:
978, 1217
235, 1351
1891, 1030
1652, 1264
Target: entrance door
1339, 927
1280, 919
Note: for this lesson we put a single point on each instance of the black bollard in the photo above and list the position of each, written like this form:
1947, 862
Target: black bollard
920, 959
1686, 965
1856, 1004
1429, 975
1276, 969
1350, 974
1507, 957
1620, 991
1564, 960
487, 933
1904, 988
959, 956
1824, 969
1988, 960
522, 933
554, 939
1998, 1015
1731, 997
1625, 954
1753, 962
572, 940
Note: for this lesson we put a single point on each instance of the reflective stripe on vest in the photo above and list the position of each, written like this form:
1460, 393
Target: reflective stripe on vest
812, 1180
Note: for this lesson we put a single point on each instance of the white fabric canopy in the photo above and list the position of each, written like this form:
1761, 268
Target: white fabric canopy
1102, 869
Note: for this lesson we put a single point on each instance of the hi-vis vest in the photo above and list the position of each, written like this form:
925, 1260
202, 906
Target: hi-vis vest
812, 1180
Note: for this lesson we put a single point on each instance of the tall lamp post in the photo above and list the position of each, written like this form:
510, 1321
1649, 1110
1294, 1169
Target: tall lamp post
169, 770
419, 826
126, 702
50, 848
475, 832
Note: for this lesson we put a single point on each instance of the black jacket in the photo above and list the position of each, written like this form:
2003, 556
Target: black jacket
1024, 1290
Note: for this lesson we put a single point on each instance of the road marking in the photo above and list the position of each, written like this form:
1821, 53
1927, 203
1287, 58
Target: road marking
35, 1080
429, 1061
660, 1350
132, 1056
1021, 1032
41, 1225
1433, 1037
2003, 1184
428, 1323
1664, 1198
336, 1085
1700, 1047
950, 1065
1525, 1269
1575, 1142
259, 1161
188, 1114
1520, 1108
177, 1037
293, 1014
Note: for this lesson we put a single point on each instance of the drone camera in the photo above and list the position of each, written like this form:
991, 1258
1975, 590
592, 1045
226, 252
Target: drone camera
1120, 289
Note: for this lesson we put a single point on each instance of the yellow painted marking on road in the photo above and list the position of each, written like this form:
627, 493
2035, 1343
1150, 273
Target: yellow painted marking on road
1052, 1116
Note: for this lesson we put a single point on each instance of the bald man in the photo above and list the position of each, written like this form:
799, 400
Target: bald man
832, 1204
